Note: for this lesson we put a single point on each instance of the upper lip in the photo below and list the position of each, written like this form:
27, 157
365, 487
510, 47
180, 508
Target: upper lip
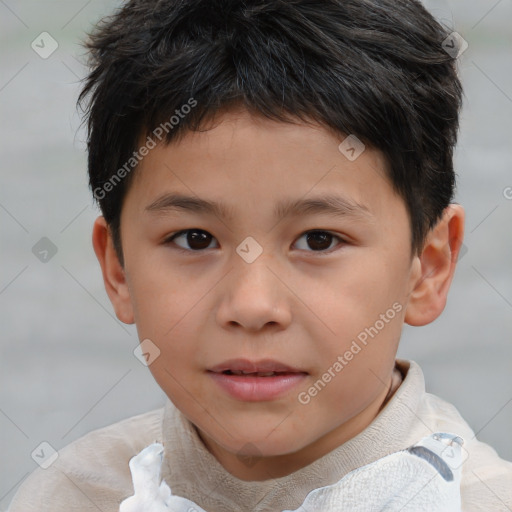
263, 365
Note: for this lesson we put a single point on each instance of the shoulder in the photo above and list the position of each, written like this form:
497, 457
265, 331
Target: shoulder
92, 472
486, 478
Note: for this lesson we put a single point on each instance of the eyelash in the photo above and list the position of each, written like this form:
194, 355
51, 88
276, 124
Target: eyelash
171, 239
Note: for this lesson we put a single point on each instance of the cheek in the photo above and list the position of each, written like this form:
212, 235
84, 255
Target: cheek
182, 387
353, 374
354, 297
161, 297
364, 311
169, 311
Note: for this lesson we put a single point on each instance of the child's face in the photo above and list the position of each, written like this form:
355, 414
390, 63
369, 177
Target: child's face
302, 302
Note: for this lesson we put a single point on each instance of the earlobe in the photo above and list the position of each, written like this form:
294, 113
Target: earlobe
437, 262
114, 276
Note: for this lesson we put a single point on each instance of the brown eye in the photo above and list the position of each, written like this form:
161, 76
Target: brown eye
318, 241
196, 239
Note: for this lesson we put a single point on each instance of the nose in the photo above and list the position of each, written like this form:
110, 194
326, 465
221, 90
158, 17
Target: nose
253, 297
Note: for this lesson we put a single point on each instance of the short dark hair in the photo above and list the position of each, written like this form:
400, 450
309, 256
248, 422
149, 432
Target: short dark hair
375, 69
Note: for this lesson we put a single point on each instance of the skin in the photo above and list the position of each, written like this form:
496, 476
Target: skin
295, 304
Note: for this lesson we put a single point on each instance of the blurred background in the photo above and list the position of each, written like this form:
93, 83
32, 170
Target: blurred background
67, 364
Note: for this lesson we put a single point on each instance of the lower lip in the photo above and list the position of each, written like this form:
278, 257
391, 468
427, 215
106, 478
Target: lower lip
257, 389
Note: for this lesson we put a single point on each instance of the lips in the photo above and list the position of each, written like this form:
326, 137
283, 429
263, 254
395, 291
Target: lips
255, 374
261, 368
256, 381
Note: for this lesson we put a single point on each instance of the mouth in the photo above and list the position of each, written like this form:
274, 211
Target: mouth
256, 381
261, 368
254, 374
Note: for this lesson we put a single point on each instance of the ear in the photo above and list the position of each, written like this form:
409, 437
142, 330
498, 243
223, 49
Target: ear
113, 273
437, 261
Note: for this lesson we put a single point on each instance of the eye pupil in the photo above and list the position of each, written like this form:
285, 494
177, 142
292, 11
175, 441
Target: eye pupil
319, 241
201, 239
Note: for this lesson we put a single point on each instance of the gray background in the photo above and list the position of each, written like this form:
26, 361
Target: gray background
67, 365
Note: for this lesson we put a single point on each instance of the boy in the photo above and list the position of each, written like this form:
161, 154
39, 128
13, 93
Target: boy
267, 129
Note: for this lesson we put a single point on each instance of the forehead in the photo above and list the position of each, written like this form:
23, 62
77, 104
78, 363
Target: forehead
241, 161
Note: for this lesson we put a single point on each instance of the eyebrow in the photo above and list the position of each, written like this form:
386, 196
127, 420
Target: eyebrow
334, 205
